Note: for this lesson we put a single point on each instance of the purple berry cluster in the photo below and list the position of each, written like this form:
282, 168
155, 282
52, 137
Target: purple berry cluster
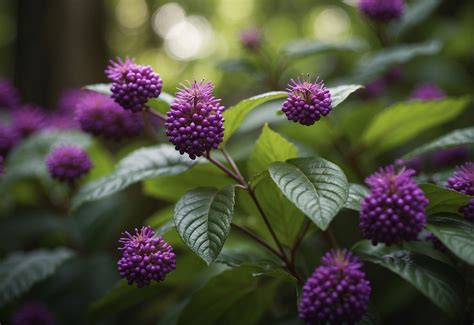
133, 84
33, 313
9, 96
337, 292
307, 101
8, 139
251, 39
382, 10
99, 115
28, 119
194, 123
450, 156
394, 211
67, 163
427, 92
463, 181
145, 257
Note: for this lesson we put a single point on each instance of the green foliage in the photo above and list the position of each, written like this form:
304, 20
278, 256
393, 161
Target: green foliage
402, 122
203, 218
452, 139
340, 93
414, 15
302, 48
437, 281
456, 233
356, 195
443, 199
139, 165
20, 271
316, 186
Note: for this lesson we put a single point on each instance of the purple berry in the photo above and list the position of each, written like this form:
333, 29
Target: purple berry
133, 84
463, 181
99, 115
427, 91
337, 292
394, 211
382, 10
145, 257
9, 96
307, 102
8, 139
450, 156
33, 313
194, 123
251, 39
28, 119
67, 163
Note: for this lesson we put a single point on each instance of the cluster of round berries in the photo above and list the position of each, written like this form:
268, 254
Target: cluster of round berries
463, 181
145, 257
67, 163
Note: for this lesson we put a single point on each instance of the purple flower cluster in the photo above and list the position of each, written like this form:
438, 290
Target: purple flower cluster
67, 163
450, 156
251, 39
427, 91
8, 139
337, 292
33, 313
28, 119
9, 96
382, 10
194, 123
463, 181
307, 101
145, 257
394, 211
133, 84
99, 115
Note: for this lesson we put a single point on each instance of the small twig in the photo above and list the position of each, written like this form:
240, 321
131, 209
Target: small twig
157, 114
222, 167
255, 237
299, 239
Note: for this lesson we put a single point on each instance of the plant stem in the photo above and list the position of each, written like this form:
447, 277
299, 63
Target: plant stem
330, 238
298, 241
222, 167
157, 114
234, 167
255, 237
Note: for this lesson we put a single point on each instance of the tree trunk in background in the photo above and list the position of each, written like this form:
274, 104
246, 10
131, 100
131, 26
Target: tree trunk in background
60, 44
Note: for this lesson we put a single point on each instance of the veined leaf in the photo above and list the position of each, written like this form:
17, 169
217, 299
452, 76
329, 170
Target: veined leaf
340, 93
405, 121
139, 165
455, 233
307, 47
270, 147
20, 271
452, 139
437, 281
356, 195
316, 186
443, 199
203, 219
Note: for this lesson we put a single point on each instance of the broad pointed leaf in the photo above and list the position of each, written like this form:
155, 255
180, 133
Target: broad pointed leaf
340, 93
443, 199
316, 186
356, 195
203, 219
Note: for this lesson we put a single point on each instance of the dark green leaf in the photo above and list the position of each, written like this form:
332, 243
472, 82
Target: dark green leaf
139, 165
232, 65
443, 199
20, 270
436, 280
316, 186
404, 121
456, 233
453, 139
203, 218
270, 147
373, 65
356, 195
306, 47
414, 15
340, 93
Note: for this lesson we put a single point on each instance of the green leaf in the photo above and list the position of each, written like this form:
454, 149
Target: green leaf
306, 47
171, 188
203, 219
452, 139
340, 93
137, 166
235, 115
356, 195
233, 65
404, 121
102, 88
316, 186
20, 270
443, 199
373, 65
434, 279
270, 147
235, 296
414, 15
455, 233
